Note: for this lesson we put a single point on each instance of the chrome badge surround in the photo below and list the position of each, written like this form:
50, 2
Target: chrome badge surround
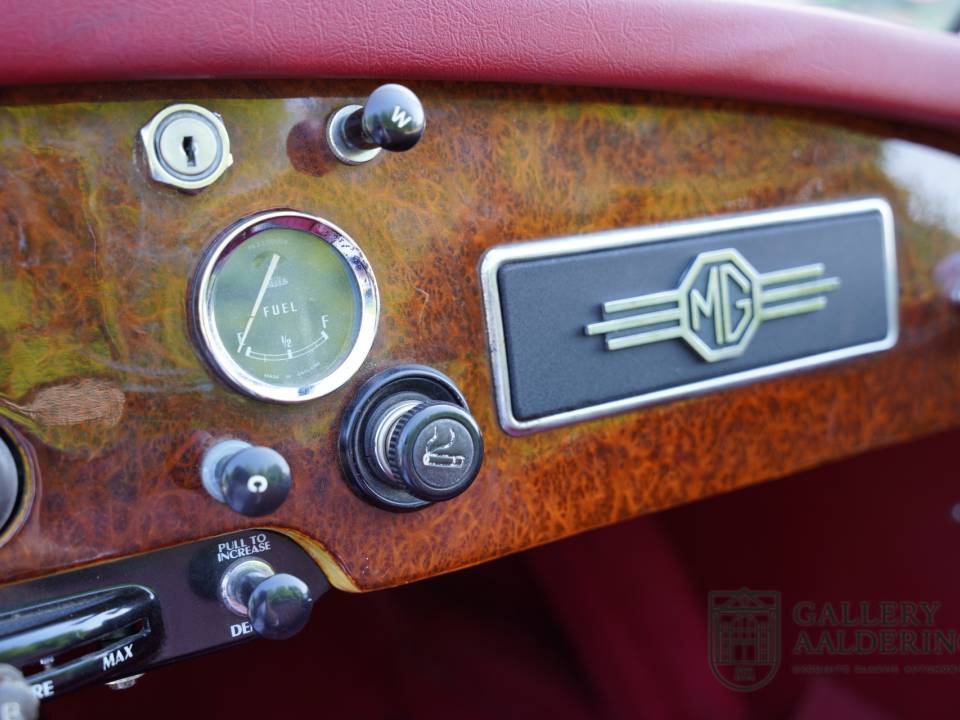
769, 296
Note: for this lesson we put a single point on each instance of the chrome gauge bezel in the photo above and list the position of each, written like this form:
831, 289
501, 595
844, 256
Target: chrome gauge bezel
204, 317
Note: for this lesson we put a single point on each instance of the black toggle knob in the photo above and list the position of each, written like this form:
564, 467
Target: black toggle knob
278, 605
434, 450
391, 119
17, 699
252, 480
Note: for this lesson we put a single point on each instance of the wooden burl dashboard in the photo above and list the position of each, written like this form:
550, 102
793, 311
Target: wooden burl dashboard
101, 379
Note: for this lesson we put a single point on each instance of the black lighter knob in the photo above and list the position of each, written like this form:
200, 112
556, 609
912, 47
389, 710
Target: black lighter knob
252, 480
435, 450
17, 699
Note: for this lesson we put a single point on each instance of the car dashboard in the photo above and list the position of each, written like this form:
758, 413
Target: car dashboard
264, 338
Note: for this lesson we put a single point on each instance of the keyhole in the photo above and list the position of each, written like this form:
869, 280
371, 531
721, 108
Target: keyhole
190, 150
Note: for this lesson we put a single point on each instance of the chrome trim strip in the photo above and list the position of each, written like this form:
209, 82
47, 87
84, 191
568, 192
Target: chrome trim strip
496, 257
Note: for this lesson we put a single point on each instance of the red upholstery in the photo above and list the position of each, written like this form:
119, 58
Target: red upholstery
735, 49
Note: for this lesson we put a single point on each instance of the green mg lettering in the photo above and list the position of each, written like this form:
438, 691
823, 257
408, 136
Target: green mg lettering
716, 304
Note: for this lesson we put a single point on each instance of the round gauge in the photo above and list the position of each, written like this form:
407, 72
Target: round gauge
286, 306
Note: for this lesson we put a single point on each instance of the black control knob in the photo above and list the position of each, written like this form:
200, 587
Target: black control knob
391, 119
252, 480
435, 450
278, 605
17, 700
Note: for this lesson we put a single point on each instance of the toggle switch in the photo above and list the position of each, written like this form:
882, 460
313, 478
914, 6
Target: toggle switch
278, 605
252, 480
391, 119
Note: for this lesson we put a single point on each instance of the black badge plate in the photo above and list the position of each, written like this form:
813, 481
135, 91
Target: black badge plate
586, 326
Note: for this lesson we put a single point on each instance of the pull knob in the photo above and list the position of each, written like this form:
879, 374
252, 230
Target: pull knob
252, 480
433, 449
278, 605
17, 699
391, 119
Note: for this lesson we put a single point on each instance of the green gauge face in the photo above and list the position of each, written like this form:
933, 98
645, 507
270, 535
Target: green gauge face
285, 311
286, 306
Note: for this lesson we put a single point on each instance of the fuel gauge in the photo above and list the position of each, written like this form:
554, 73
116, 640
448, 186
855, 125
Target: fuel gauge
285, 306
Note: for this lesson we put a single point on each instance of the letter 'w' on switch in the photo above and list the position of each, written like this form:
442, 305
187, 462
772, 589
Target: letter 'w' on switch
400, 118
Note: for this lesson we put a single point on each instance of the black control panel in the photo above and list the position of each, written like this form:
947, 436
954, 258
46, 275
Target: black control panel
122, 618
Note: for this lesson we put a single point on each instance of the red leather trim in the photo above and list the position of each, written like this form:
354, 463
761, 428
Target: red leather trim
733, 49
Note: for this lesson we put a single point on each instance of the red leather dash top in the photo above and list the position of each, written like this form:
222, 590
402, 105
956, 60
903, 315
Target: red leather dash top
714, 47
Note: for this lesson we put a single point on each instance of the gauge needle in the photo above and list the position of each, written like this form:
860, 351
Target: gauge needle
256, 306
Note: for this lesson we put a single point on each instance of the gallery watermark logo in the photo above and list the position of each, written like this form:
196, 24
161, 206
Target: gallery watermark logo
744, 632
824, 638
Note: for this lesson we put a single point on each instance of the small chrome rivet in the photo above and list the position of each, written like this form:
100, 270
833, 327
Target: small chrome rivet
186, 146
124, 683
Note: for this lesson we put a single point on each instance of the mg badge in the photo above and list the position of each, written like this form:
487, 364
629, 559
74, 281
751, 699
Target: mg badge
717, 307
706, 304
744, 629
